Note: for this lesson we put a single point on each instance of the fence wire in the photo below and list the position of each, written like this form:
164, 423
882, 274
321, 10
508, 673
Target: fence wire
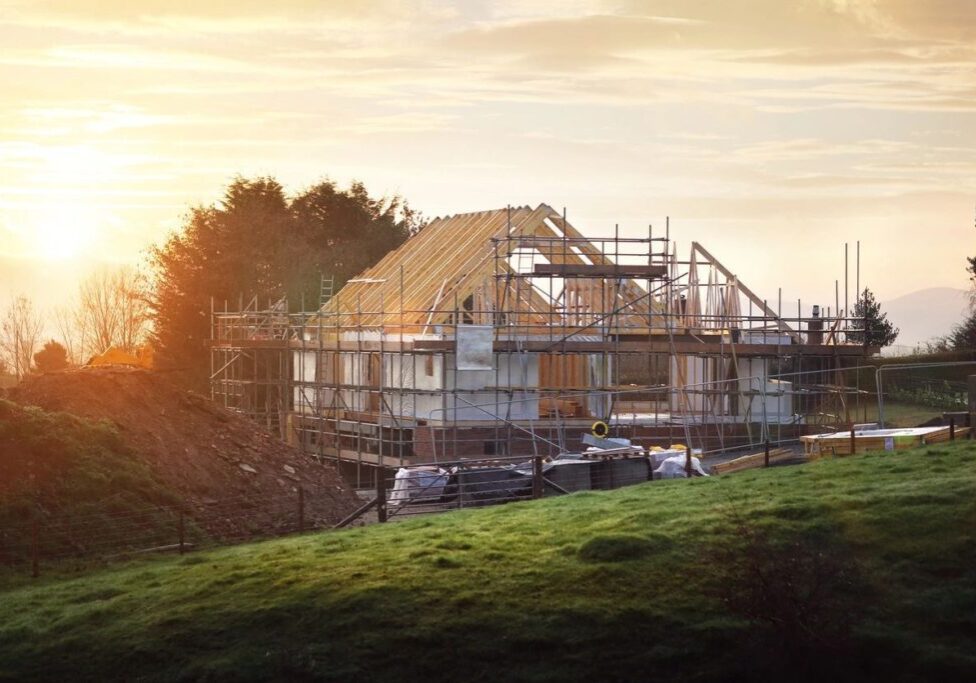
41, 537
32, 537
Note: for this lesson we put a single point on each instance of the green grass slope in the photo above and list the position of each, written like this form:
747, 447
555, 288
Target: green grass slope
854, 569
87, 490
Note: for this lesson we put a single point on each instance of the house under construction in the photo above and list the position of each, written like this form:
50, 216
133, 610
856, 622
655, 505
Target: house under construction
509, 332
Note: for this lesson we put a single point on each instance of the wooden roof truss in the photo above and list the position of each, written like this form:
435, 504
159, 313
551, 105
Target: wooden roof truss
456, 268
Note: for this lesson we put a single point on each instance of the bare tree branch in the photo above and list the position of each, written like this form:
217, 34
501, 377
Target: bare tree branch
112, 310
20, 333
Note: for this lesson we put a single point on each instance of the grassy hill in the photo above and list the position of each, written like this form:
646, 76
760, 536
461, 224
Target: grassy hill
854, 569
66, 468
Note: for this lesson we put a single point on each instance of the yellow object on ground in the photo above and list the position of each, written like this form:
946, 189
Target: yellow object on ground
142, 358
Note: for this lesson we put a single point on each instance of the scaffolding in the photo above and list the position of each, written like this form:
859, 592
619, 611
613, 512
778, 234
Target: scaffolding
509, 333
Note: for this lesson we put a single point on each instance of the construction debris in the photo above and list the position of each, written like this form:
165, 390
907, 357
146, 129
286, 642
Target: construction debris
677, 466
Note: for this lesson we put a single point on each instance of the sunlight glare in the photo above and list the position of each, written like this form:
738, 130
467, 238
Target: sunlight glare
64, 231
67, 223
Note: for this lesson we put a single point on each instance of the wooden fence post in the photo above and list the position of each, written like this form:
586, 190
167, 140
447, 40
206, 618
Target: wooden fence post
952, 429
35, 552
181, 528
971, 396
381, 493
853, 442
537, 476
766, 456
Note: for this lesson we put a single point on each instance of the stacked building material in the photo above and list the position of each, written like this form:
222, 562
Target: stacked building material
748, 462
846, 443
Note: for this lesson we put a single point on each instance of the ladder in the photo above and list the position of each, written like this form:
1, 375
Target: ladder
325, 290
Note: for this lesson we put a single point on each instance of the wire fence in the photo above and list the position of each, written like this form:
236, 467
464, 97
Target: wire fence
914, 394
39, 535
448, 486
43, 537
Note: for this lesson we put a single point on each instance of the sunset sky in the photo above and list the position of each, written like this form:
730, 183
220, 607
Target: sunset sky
770, 131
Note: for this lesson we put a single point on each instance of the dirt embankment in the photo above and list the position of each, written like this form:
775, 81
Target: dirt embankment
218, 461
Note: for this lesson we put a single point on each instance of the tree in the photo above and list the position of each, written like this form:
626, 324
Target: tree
113, 310
69, 323
51, 358
221, 253
20, 332
963, 336
258, 243
342, 234
871, 322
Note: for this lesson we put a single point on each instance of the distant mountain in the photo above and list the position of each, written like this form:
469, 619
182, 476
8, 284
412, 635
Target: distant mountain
926, 313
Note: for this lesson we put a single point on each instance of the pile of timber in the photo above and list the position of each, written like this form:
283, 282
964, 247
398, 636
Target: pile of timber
944, 435
748, 462
839, 444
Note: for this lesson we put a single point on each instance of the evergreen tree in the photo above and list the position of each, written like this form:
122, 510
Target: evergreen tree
257, 242
51, 358
870, 321
963, 335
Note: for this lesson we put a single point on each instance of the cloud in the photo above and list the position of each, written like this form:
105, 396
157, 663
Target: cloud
756, 110
642, 53
950, 21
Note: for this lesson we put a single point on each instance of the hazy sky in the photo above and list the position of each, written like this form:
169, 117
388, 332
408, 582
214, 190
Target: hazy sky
771, 131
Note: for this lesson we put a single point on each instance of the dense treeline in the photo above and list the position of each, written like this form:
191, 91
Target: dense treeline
259, 242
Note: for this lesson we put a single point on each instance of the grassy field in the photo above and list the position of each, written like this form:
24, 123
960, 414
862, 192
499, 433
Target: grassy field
853, 569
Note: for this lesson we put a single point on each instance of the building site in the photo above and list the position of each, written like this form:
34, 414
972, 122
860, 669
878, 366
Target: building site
512, 333
480, 341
